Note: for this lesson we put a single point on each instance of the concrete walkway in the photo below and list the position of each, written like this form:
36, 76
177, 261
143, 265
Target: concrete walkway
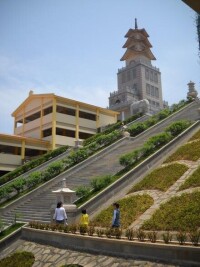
162, 197
47, 256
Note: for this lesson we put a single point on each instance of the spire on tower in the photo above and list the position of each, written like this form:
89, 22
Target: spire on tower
136, 27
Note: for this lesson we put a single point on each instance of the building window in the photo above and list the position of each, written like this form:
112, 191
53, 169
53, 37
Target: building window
128, 75
32, 117
147, 74
151, 75
87, 116
65, 132
134, 73
67, 111
123, 77
47, 132
18, 123
156, 92
155, 77
157, 104
47, 111
84, 135
148, 89
152, 91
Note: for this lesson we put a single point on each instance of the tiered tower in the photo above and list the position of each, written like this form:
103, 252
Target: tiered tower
138, 81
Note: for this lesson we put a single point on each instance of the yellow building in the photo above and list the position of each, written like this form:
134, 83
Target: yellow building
46, 121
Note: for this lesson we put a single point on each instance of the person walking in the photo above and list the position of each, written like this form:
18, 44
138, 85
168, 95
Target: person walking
84, 221
60, 215
116, 216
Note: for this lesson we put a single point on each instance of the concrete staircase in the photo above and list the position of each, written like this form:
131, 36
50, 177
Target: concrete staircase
36, 206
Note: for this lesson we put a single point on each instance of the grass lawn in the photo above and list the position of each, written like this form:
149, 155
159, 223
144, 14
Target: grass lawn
190, 151
10, 230
161, 178
130, 209
192, 181
195, 136
179, 213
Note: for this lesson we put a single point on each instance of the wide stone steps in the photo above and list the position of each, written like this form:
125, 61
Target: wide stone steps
106, 163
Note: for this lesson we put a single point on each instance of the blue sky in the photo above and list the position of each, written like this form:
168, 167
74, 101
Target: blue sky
73, 48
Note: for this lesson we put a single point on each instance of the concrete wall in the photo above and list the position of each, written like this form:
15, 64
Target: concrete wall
113, 247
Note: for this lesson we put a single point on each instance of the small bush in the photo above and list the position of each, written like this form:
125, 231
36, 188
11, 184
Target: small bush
100, 232
91, 230
101, 182
167, 237
82, 191
181, 237
130, 234
152, 236
194, 237
177, 127
137, 128
140, 234
18, 259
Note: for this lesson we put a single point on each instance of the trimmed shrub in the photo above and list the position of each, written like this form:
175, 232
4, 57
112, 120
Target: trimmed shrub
32, 164
177, 127
82, 191
18, 259
101, 182
137, 128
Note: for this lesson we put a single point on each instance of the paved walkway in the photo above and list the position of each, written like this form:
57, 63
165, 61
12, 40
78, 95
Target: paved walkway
162, 197
47, 256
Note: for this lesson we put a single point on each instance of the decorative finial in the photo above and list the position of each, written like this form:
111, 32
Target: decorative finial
30, 92
136, 24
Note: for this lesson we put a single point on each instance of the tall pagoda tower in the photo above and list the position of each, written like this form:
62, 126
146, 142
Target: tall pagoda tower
138, 82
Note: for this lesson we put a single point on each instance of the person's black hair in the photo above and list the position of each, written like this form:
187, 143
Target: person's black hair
84, 211
116, 205
59, 204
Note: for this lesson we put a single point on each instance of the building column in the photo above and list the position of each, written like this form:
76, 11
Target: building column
23, 119
97, 118
23, 150
77, 123
122, 116
54, 125
41, 118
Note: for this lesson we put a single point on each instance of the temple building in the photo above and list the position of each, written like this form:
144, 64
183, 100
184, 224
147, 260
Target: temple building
43, 122
139, 83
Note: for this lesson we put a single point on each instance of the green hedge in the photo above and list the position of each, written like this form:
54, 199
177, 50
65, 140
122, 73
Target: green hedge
32, 164
21, 184
110, 129
154, 143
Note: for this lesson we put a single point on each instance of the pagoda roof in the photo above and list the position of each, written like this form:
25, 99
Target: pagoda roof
131, 53
130, 41
131, 32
